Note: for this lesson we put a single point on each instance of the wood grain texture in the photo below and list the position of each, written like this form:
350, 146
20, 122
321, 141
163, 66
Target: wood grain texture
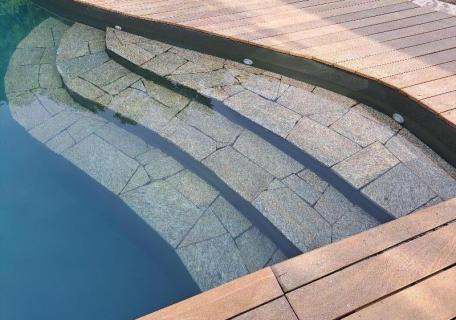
367, 281
431, 299
226, 301
298, 271
377, 39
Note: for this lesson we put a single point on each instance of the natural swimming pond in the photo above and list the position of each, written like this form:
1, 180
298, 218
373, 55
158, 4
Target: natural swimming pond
131, 194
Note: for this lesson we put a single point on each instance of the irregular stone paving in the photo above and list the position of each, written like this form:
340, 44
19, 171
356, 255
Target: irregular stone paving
369, 150
214, 240
277, 185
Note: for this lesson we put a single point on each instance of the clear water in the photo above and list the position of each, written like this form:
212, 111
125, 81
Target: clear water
68, 247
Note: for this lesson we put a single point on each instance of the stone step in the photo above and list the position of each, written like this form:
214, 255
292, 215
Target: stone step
362, 146
374, 154
213, 239
295, 200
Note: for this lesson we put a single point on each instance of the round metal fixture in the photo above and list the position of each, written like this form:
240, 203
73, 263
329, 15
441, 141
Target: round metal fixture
247, 61
398, 118
118, 28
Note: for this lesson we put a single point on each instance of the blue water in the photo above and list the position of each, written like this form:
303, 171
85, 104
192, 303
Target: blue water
69, 248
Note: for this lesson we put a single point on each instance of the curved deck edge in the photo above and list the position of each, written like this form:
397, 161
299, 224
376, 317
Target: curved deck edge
432, 129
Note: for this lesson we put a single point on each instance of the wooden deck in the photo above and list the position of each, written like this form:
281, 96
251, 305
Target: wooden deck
396, 42
405, 269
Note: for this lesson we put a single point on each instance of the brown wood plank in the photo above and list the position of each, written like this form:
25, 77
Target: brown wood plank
431, 299
423, 75
442, 103
318, 263
278, 309
425, 61
369, 280
226, 301
432, 88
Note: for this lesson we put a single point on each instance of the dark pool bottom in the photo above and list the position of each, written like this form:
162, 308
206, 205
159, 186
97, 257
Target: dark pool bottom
71, 249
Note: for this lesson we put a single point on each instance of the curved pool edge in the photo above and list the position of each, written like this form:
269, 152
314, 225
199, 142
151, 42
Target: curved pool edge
430, 127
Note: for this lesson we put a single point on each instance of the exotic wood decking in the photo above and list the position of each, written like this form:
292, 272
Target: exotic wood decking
405, 269
398, 43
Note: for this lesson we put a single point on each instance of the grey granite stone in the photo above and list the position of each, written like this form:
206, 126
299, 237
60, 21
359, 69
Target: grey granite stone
399, 191
266, 155
276, 184
97, 46
151, 155
106, 73
26, 56
28, 111
123, 140
324, 144
164, 64
154, 47
189, 139
40, 36
241, 174
303, 189
139, 179
307, 103
199, 81
71, 68
423, 166
56, 100
354, 221
54, 125
49, 55
297, 221
207, 227
166, 96
333, 205
335, 97
362, 130
22, 78
266, 87
193, 188
61, 142
103, 162
206, 65
126, 38
163, 167
164, 209
255, 248
49, 77
121, 83
84, 88
231, 218
328, 118
270, 115
377, 116
213, 262
366, 165
221, 93
314, 180
277, 257
84, 127
210, 122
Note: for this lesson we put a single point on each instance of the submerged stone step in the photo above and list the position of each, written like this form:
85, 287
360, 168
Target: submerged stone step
357, 142
213, 239
244, 161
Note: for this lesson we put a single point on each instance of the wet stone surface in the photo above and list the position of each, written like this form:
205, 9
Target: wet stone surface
215, 240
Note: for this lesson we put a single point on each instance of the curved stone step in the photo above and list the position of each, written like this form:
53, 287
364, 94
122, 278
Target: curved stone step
213, 239
383, 173
357, 142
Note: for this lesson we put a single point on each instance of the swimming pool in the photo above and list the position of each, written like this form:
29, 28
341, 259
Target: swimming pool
126, 192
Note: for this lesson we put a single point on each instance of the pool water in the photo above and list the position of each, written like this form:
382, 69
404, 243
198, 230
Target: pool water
69, 248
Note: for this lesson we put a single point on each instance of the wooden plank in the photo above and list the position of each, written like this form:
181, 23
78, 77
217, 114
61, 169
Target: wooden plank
423, 75
226, 301
442, 103
432, 88
278, 309
318, 263
399, 67
369, 280
431, 299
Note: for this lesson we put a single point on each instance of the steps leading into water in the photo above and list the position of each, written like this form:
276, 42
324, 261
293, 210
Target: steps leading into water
283, 149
